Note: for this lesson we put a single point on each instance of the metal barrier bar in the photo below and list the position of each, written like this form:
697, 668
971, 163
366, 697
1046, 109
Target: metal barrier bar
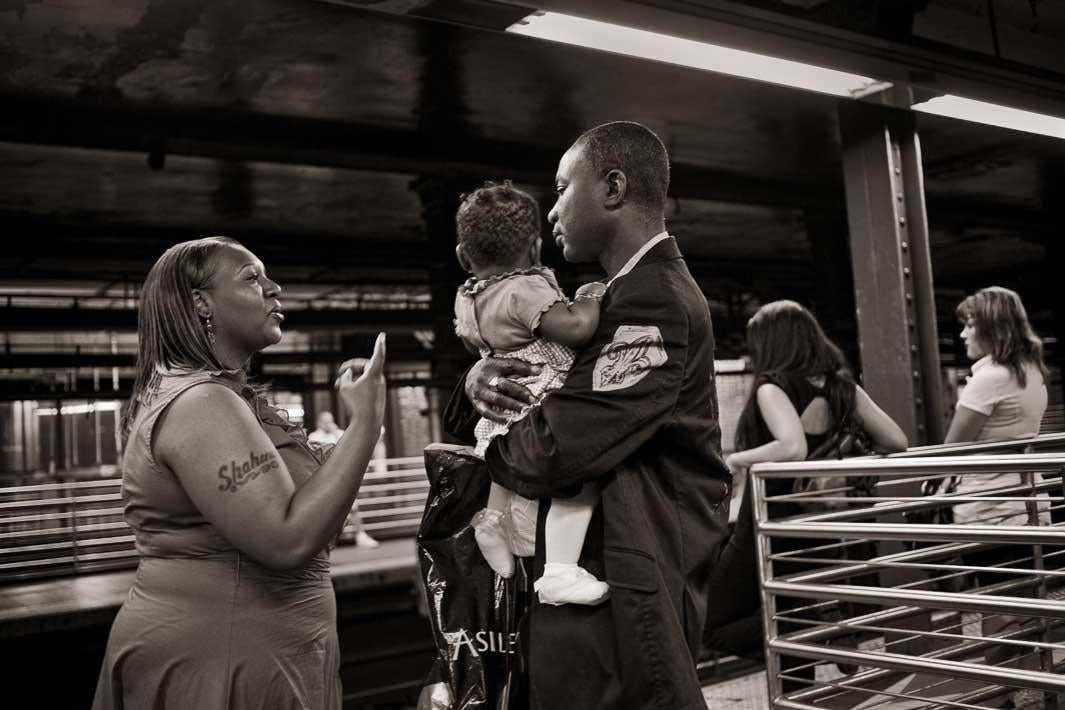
1043, 442
67, 486
906, 504
1017, 606
866, 677
44, 547
939, 666
33, 504
823, 555
40, 517
892, 466
913, 559
920, 533
69, 531
68, 527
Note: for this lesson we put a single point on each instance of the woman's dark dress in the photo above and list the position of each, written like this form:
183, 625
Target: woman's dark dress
205, 626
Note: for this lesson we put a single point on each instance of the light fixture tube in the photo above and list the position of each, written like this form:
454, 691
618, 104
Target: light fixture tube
605, 36
994, 115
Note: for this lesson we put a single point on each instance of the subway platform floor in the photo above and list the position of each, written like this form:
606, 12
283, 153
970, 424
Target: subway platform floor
54, 605
37, 606
751, 692
747, 692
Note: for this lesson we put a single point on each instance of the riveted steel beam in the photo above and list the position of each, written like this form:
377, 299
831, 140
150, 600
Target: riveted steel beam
892, 267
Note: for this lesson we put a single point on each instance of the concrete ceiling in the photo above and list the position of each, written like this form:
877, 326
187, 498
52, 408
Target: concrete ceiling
305, 129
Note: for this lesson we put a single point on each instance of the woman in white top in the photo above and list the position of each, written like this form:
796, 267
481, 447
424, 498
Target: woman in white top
1005, 397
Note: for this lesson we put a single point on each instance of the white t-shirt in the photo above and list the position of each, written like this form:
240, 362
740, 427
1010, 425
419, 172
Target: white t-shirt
1012, 412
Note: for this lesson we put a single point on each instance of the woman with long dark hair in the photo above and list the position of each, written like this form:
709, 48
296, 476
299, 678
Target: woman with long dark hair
232, 510
802, 390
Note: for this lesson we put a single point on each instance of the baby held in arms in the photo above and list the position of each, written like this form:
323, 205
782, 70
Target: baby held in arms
512, 307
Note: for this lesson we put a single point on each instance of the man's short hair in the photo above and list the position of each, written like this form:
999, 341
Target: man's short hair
496, 222
636, 151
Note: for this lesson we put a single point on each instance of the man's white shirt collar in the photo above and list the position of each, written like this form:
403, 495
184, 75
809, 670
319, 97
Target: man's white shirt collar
635, 259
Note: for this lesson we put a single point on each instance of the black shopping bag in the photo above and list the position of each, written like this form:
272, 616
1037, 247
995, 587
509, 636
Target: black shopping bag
475, 614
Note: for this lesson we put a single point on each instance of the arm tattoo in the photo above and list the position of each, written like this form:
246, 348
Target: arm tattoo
235, 474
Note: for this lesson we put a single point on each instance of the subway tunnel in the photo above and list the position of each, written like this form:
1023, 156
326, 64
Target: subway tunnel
335, 140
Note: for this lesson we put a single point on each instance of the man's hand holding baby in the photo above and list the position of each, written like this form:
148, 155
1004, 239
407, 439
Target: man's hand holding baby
493, 393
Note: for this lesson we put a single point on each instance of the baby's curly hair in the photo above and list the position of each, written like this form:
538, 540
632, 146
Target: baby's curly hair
496, 222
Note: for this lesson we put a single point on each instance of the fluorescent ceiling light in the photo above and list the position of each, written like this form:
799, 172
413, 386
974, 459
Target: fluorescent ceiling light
700, 55
994, 115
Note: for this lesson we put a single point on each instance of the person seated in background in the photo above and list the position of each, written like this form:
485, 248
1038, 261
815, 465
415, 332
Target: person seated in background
325, 436
326, 432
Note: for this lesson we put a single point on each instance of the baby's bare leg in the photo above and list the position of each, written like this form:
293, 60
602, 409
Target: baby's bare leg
564, 581
489, 533
567, 524
498, 498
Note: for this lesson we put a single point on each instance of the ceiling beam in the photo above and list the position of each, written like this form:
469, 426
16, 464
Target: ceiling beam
249, 136
337, 320
401, 348
230, 134
84, 387
482, 14
1027, 222
40, 247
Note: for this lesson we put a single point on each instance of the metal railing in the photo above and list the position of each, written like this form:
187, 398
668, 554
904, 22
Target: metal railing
392, 497
871, 597
60, 528
72, 527
1035, 444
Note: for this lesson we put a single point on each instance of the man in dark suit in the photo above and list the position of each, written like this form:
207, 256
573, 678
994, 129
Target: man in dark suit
638, 414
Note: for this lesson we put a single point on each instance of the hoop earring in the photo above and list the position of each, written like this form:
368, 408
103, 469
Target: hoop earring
209, 326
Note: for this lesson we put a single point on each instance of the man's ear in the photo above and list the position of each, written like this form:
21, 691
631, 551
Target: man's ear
617, 185
202, 303
464, 260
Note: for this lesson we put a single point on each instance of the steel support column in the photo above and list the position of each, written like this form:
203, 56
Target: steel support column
893, 287
892, 267
1052, 189
833, 284
440, 200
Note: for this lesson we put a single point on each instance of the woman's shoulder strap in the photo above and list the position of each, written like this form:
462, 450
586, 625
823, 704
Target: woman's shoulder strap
794, 386
163, 391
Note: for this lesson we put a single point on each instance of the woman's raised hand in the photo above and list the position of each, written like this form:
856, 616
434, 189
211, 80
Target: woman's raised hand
365, 395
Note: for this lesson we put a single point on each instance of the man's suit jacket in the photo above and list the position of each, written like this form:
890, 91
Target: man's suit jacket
638, 414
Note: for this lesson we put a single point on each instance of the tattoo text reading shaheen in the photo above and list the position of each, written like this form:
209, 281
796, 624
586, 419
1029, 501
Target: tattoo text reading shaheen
234, 475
